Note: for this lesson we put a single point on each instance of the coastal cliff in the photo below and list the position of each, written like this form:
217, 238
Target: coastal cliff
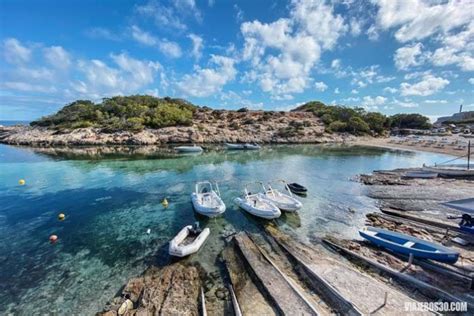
208, 126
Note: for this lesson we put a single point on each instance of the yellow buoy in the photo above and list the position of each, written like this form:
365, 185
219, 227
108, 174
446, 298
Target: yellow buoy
21, 182
61, 216
165, 202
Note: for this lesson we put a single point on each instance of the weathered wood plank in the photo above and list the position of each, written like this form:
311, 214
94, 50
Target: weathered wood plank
286, 300
424, 288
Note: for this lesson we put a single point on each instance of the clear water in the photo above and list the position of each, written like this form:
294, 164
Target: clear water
111, 202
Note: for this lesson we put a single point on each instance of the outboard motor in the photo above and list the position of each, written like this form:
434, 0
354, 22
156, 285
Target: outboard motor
466, 220
196, 228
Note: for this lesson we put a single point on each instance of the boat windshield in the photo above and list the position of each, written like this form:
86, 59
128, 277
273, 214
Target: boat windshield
204, 187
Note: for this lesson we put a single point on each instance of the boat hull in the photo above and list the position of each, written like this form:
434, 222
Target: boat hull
296, 188
189, 149
467, 229
274, 212
177, 249
292, 205
404, 244
205, 210
235, 146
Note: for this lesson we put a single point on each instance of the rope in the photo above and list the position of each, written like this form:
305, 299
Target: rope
444, 162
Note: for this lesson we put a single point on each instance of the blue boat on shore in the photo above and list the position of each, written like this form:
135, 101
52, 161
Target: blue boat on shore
404, 244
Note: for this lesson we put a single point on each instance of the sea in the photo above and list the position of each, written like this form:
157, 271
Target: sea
111, 197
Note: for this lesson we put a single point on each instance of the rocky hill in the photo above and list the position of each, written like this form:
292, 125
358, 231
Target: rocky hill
208, 126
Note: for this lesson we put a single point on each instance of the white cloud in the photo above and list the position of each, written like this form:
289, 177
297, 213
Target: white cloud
405, 104
167, 16
336, 91
15, 52
372, 33
458, 49
390, 90
449, 23
407, 56
28, 87
207, 81
197, 45
355, 27
102, 33
471, 80
373, 101
320, 86
239, 14
143, 37
418, 19
284, 52
129, 76
427, 86
57, 56
168, 48
354, 91
436, 101
365, 76
336, 64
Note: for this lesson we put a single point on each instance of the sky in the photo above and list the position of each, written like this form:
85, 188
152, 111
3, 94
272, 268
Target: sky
392, 56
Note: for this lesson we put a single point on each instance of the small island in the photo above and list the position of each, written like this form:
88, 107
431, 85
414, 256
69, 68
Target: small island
148, 120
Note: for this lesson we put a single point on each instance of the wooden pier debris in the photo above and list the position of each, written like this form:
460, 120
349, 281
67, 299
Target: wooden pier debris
423, 287
338, 283
280, 291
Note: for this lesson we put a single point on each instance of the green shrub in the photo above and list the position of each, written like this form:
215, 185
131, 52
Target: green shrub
130, 113
337, 126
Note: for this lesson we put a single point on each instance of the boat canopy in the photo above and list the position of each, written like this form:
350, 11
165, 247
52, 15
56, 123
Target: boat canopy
464, 205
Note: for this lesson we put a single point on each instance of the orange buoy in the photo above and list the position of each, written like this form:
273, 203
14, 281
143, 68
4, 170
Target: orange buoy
53, 239
21, 182
61, 216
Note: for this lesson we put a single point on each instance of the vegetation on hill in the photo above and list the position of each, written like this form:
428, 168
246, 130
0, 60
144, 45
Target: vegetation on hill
140, 111
122, 113
415, 121
358, 121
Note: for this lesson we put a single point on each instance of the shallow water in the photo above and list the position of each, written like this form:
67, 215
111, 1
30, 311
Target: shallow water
110, 202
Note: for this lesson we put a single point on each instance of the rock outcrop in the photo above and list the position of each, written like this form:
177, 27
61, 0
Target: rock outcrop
171, 290
209, 126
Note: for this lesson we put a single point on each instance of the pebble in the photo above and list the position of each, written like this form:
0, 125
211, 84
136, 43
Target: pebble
221, 293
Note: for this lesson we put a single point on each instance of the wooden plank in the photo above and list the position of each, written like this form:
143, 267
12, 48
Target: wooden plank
327, 292
284, 297
425, 288
418, 219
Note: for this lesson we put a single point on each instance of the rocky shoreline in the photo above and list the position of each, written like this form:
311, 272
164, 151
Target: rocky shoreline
209, 127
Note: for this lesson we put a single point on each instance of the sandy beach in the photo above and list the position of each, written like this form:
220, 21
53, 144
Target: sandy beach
454, 145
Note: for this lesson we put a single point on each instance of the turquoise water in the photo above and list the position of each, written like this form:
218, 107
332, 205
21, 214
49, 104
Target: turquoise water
111, 200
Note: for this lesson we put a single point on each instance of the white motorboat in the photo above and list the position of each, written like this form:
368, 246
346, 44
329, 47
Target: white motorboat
252, 146
206, 200
189, 149
257, 205
187, 241
235, 146
285, 202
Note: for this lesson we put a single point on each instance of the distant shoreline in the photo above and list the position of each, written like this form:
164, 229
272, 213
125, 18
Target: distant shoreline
384, 143
263, 133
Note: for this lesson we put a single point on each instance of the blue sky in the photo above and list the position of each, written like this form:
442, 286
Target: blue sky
384, 55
